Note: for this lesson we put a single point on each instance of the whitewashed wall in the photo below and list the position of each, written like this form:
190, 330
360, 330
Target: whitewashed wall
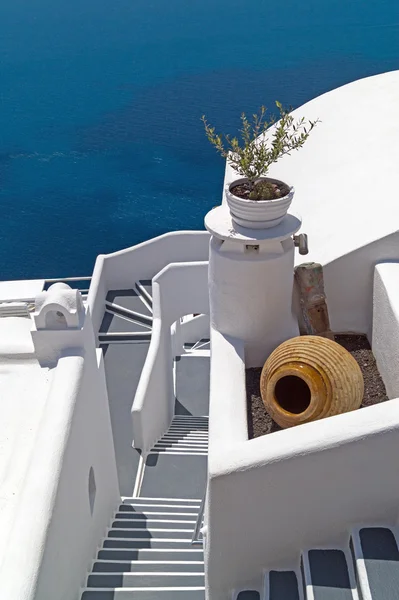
194, 329
179, 289
351, 223
385, 339
122, 269
271, 497
55, 533
349, 284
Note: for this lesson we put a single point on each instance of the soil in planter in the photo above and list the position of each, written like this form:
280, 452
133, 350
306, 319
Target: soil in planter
261, 423
276, 189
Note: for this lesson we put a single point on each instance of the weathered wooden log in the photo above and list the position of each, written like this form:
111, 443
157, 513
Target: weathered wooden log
310, 284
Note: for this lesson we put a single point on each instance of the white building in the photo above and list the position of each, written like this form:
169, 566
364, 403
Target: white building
109, 488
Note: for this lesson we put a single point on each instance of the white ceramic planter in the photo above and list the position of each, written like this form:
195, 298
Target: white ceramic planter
258, 214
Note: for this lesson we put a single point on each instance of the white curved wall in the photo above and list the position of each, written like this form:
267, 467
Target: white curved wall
179, 289
385, 339
55, 530
121, 269
345, 180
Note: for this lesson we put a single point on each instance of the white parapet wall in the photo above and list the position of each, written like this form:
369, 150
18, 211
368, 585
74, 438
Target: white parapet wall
179, 289
385, 339
273, 496
122, 269
70, 487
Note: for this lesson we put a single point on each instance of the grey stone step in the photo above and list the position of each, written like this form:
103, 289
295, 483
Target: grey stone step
153, 523
144, 287
202, 344
129, 299
146, 534
329, 575
250, 595
148, 566
186, 554
128, 315
150, 580
164, 512
381, 559
147, 543
133, 336
193, 427
162, 508
283, 584
141, 594
154, 518
141, 500
179, 450
114, 323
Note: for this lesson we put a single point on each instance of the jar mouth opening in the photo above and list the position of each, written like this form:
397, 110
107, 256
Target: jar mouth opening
292, 394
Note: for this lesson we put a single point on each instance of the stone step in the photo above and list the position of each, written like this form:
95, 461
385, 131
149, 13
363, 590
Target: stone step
129, 299
147, 509
376, 557
328, 575
113, 580
283, 584
144, 288
145, 594
161, 522
185, 554
128, 314
133, 336
147, 566
161, 501
138, 543
125, 529
116, 323
161, 512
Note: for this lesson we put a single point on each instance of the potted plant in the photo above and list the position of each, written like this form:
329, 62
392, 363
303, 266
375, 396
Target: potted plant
254, 200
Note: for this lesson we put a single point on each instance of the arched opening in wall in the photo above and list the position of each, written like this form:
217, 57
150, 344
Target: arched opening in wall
92, 490
55, 319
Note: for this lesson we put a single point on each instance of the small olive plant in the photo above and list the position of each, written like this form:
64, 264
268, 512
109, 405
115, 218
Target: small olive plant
252, 156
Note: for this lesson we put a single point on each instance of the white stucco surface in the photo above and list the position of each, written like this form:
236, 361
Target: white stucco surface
23, 389
15, 337
55, 436
272, 497
345, 178
25, 289
60, 307
251, 283
179, 289
346, 174
122, 269
385, 339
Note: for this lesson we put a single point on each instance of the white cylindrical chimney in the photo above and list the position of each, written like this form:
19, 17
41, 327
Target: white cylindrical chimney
251, 275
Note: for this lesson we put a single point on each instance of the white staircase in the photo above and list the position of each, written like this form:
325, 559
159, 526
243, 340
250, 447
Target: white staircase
367, 569
148, 555
127, 315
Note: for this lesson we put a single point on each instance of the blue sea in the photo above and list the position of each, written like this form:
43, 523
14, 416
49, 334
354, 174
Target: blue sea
101, 143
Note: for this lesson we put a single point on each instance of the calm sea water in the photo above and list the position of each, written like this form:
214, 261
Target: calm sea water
101, 144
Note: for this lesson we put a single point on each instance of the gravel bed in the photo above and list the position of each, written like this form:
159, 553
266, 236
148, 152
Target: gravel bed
261, 423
